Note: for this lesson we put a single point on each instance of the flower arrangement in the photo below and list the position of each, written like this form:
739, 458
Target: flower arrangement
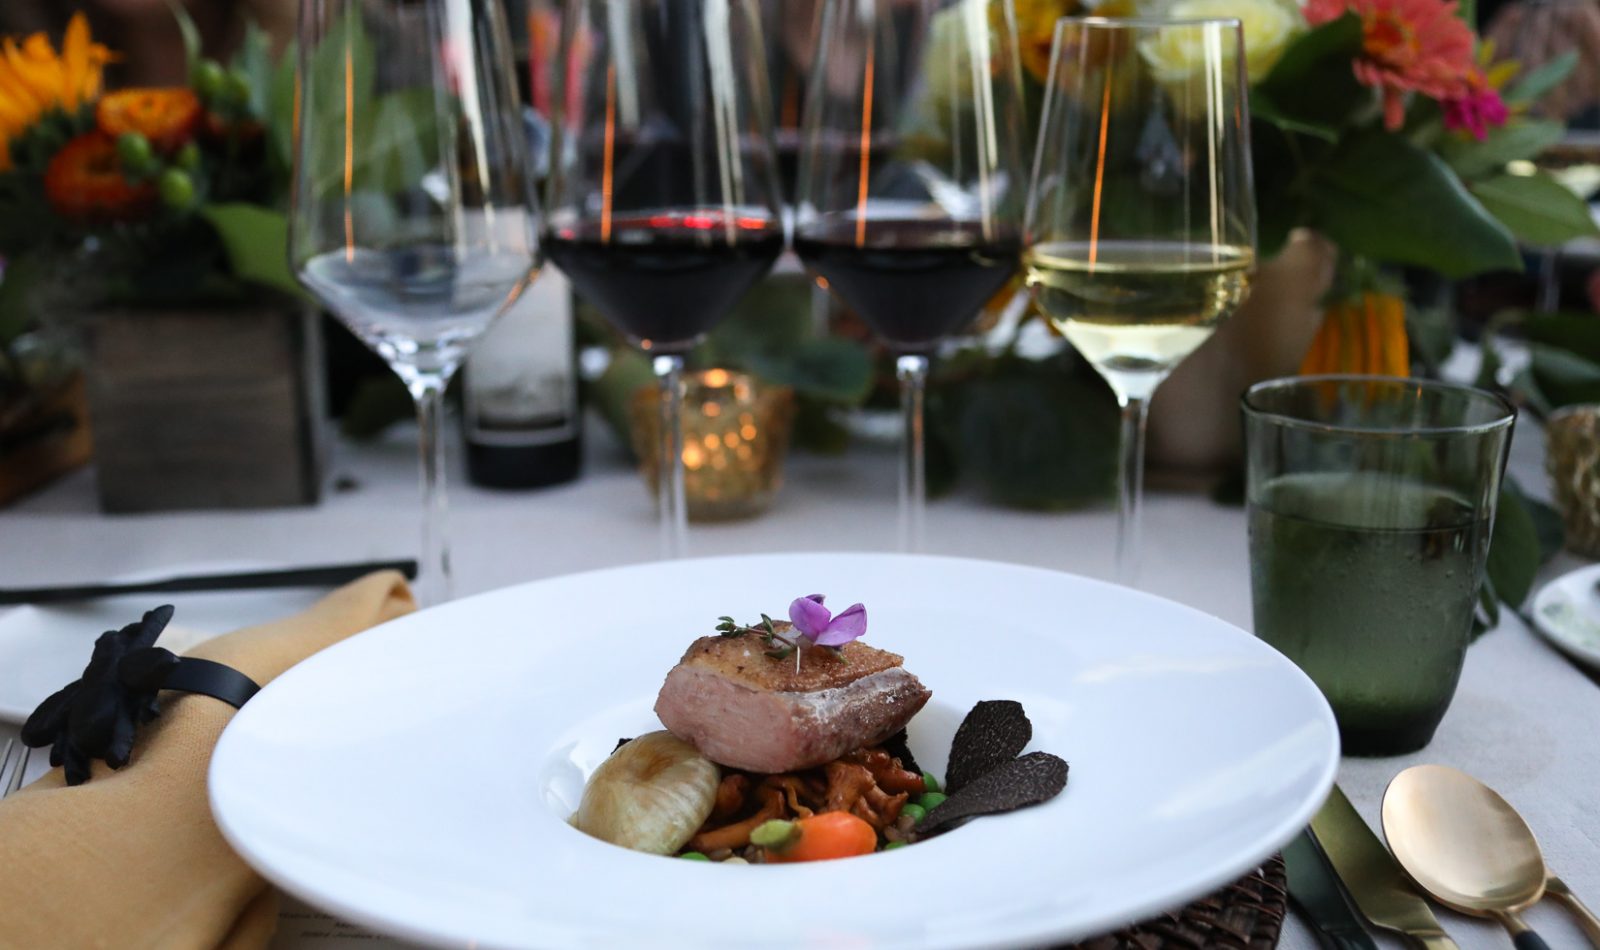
136, 196
1386, 125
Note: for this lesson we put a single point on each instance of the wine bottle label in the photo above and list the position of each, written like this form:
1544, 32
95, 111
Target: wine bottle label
521, 385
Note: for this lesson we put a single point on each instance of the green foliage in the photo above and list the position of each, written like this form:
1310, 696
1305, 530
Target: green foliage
1311, 89
1472, 159
1515, 550
1535, 83
1536, 208
256, 240
1379, 196
1035, 434
378, 402
772, 335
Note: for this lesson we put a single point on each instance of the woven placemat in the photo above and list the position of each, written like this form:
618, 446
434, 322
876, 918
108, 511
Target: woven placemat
1247, 915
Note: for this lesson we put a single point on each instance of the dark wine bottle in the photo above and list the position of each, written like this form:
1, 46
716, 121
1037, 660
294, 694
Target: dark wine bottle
521, 416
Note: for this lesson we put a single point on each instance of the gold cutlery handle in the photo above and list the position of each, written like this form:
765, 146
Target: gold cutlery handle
1434, 941
1586, 919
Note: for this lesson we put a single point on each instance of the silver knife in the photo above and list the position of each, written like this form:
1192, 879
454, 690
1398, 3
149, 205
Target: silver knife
1375, 882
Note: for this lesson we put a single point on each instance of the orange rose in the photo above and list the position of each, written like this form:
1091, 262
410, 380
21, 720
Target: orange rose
84, 182
167, 117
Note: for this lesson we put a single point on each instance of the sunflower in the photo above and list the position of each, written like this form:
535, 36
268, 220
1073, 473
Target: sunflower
35, 79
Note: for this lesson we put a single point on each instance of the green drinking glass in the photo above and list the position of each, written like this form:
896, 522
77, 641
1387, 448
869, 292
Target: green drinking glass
1371, 502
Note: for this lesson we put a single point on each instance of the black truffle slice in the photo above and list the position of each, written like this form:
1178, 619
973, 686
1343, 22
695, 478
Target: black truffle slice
1035, 778
896, 746
995, 732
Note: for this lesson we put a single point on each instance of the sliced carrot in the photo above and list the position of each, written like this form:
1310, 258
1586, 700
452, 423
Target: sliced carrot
833, 834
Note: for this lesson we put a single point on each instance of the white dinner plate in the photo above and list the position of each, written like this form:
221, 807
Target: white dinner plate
45, 647
1567, 612
417, 778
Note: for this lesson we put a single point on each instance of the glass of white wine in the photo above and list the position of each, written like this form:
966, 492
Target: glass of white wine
1141, 220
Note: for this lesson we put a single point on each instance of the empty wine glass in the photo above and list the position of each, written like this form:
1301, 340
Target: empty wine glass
411, 216
911, 181
663, 195
1141, 224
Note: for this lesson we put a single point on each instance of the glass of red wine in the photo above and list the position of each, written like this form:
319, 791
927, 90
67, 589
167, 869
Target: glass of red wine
911, 183
663, 197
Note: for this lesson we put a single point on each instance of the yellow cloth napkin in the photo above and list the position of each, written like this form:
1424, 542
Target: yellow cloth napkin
131, 858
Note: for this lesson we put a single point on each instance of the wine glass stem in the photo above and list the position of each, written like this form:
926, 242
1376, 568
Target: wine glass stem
434, 581
1130, 488
913, 372
669, 474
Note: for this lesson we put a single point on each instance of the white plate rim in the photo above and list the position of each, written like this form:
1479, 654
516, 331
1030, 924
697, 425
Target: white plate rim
1560, 587
1222, 873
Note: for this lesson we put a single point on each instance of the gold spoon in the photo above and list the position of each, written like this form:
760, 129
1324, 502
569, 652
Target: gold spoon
1493, 816
1465, 846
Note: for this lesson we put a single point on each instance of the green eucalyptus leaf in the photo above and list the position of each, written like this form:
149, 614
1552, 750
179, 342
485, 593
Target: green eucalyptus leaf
1536, 208
1577, 332
1564, 376
817, 427
256, 240
188, 33
830, 369
1514, 548
254, 60
280, 118
612, 394
1355, 198
1535, 83
1515, 140
378, 402
1311, 89
772, 317
1027, 452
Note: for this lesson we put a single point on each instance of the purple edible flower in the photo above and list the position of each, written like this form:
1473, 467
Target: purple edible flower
822, 628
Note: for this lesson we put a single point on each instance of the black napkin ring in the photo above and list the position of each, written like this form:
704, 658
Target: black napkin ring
97, 715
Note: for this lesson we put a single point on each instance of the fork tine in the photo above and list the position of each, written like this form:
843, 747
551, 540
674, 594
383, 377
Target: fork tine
5, 766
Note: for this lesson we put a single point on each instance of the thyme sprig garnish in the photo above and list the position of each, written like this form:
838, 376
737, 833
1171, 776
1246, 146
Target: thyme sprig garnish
780, 646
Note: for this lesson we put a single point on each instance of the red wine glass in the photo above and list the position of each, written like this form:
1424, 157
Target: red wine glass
911, 181
663, 197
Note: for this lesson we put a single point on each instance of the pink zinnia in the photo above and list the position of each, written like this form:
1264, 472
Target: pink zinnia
1407, 46
1476, 111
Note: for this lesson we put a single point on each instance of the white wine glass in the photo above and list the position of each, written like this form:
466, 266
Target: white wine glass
1141, 225
411, 216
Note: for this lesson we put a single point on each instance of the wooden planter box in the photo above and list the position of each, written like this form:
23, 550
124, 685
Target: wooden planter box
197, 408
43, 437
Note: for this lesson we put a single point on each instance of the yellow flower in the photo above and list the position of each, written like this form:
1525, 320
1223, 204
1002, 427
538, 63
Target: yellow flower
1036, 26
1269, 25
34, 79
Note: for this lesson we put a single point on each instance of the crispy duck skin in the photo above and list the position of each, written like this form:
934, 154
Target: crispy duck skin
746, 710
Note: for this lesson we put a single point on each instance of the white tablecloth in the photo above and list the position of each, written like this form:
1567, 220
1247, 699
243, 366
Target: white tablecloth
1524, 719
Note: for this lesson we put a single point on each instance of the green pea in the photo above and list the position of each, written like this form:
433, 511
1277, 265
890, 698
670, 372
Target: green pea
177, 189
137, 157
931, 800
693, 856
915, 811
894, 844
929, 782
